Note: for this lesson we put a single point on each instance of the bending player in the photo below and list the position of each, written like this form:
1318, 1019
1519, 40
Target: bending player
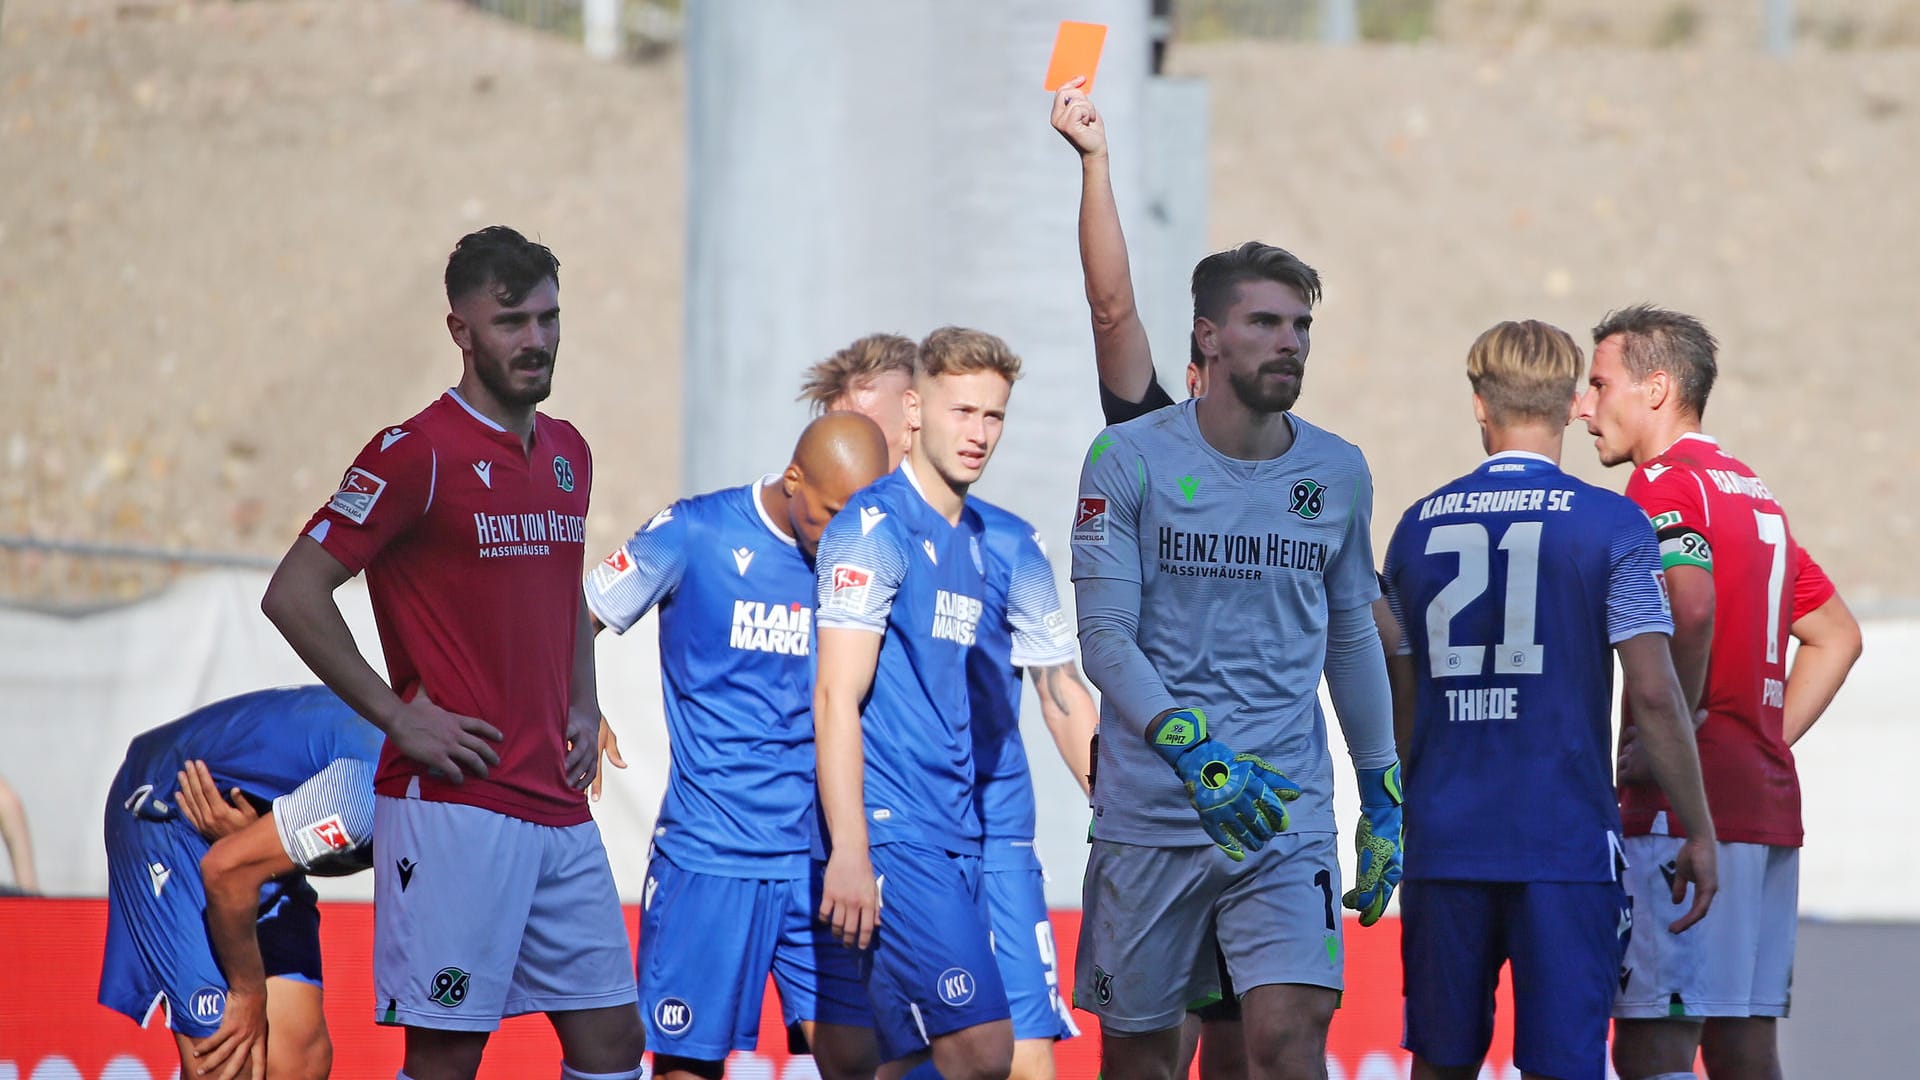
901, 589
728, 897
1514, 582
1740, 585
1021, 627
1163, 542
226, 935
469, 520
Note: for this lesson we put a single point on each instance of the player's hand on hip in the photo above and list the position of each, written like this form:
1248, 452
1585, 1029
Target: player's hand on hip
1241, 800
584, 728
451, 746
199, 801
1077, 121
1378, 841
239, 1047
610, 750
1698, 865
850, 897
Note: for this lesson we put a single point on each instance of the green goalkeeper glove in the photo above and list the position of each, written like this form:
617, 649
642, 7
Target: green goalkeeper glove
1241, 800
1378, 843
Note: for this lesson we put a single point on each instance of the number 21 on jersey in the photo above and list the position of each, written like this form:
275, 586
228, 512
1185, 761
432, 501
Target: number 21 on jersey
1516, 653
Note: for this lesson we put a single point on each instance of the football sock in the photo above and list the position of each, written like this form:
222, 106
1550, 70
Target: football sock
568, 1072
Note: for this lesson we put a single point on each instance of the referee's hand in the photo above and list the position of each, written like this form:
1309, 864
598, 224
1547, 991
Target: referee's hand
451, 746
850, 897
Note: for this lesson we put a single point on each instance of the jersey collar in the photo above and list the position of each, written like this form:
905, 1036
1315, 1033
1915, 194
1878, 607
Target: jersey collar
1708, 439
454, 393
1519, 455
761, 509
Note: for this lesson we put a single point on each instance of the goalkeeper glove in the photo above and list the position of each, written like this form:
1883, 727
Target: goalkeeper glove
1377, 842
1240, 798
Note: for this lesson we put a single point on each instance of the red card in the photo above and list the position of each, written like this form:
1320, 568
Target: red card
1076, 51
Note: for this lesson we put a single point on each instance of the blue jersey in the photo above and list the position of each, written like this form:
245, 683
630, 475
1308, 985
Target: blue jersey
1021, 625
736, 669
891, 564
265, 743
1513, 583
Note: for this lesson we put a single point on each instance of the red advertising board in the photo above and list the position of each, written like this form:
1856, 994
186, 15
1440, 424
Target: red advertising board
51, 1028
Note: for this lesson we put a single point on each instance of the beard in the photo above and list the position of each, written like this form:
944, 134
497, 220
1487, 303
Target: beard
497, 376
1261, 396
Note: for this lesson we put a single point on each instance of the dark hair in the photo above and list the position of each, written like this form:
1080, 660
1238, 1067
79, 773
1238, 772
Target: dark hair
500, 257
1217, 277
1656, 339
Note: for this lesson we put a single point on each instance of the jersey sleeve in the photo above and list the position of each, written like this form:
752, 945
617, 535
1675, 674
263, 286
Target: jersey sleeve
859, 567
1118, 410
326, 824
1042, 635
1106, 517
1811, 586
1389, 587
1673, 500
1351, 581
641, 572
1636, 582
385, 491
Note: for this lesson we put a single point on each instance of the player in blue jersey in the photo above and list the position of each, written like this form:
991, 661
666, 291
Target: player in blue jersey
226, 935
1022, 628
1517, 585
728, 897
901, 589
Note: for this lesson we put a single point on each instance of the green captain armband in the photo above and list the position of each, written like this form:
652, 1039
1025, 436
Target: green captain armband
1685, 548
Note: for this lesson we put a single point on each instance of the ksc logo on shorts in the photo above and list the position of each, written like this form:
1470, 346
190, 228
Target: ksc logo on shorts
449, 987
956, 986
207, 1005
673, 1016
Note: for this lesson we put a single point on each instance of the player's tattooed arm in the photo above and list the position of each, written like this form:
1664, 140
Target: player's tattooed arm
1829, 644
1120, 348
1067, 705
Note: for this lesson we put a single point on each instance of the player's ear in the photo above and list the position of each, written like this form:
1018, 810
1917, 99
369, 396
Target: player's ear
1659, 386
1206, 337
910, 401
457, 327
791, 480
1479, 410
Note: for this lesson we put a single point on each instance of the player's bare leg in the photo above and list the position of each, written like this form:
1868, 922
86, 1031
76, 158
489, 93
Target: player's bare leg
608, 1040
841, 1052
668, 1067
980, 1052
1152, 1056
1286, 1030
1223, 1050
1741, 1048
444, 1055
1032, 1059
297, 1047
1647, 1048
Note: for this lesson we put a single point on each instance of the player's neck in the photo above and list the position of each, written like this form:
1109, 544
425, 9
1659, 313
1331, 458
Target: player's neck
934, 488
1239, 432
517, 419
1665, 430
777, 505
1527, 438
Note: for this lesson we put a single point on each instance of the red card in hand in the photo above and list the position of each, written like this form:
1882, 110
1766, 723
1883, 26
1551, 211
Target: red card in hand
1076, 51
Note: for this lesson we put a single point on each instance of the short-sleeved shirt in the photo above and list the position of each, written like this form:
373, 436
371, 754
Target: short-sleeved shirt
736, 671
473, 545
1714, 513
891, 564
1238, 564
1514, 582
1022, 626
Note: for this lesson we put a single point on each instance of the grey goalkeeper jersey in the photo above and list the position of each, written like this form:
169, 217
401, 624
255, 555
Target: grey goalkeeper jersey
1221, 574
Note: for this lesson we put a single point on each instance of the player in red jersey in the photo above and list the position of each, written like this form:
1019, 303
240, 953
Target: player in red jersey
1739, 585
492, 892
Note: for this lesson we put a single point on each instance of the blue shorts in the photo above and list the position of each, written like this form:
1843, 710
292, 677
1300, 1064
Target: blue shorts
1565, 941
930, 970
157, 943
707, 945
1023, 945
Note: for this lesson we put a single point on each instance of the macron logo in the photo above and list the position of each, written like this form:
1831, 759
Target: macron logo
1655, 471
869, 517
484, 470
927, 546
159, 875
391, 436
743, 558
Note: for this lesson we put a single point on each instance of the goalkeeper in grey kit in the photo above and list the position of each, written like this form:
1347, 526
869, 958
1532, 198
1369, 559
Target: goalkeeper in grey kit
1222, 561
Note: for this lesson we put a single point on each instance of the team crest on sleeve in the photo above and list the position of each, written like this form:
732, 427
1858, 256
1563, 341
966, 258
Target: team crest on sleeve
1309, 498
323, 837
1090, 520
613, 568
359, 490
851, 586
563, 472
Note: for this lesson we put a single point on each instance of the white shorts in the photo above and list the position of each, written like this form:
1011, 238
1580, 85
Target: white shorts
1151, 918
479, 916
1737, 961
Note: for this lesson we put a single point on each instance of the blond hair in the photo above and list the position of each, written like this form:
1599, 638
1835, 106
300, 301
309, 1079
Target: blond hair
955, 350
853, 367
1525, 371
